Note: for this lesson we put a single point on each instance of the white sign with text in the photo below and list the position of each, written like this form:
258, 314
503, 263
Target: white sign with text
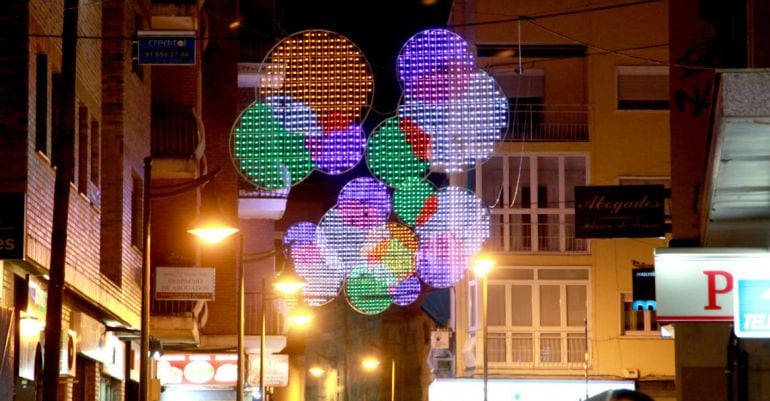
697, 284
185, 283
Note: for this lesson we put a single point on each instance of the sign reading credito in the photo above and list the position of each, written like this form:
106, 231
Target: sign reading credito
623, 211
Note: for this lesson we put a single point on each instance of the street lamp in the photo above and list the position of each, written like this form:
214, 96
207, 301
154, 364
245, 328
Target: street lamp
482, 266
219, 232
371, 363
289, 285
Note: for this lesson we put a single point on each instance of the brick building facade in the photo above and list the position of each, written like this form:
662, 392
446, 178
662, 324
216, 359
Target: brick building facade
100, 308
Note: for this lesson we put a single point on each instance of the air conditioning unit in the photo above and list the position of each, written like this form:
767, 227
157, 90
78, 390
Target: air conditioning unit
68, 354
630, 373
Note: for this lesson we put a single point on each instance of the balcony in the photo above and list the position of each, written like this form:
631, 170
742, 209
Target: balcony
177, 141
527, 349
547, 122
177, 322
257, 203
548, 237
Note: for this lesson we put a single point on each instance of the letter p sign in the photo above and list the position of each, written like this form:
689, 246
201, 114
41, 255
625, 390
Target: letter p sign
725, 287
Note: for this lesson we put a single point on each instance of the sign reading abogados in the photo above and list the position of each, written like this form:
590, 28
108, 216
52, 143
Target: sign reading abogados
624, 211
11, 225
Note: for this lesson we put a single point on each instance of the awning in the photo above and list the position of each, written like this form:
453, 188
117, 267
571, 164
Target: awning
521, 389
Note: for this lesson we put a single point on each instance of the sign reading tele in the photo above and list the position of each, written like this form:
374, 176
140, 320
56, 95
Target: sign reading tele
752, 308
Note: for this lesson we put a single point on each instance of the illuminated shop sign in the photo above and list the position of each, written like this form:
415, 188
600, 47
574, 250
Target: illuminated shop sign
220, 370
166, 47
521, 390
698, 284
752, 308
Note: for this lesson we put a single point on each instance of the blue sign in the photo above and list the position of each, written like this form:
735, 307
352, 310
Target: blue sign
752, 308
166, 50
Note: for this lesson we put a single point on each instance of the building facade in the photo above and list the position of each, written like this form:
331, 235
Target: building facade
588, 92
105, 120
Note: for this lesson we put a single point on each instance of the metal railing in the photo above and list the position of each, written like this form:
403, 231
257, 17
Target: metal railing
172, 308
548, 122
537, 349
174, 131
535, 238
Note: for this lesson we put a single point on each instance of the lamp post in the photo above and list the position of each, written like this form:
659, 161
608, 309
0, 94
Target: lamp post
212, 231
482, 266
288, 283
371, 364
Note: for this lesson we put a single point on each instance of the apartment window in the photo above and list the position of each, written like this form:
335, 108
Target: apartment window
84, 149
41, 104
642, 87
533, 201
137, 204
57, 123
472, 306
636, 322
537, 316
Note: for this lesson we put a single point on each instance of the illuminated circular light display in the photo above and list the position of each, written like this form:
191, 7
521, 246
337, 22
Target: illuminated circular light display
366, 293
324, 279
316, 90
451, 237
415, 201
398, 151
364, 203
450, 116
406, 291
452, 113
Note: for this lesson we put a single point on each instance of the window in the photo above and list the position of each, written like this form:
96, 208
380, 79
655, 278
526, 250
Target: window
137, 204
533, 201
84, 149
41, 104
472, 306
57, 123
537, 316
642, 88
96, 144
636, 322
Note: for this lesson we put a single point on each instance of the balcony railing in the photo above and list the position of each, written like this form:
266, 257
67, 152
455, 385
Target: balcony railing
555, 349
173, 308
175, 132
548, 237
548, 122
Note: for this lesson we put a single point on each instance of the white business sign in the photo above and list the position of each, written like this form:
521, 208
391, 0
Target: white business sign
521, 389
697, 284
185, 283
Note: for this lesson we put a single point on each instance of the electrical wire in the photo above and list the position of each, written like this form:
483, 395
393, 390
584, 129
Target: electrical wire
554, 14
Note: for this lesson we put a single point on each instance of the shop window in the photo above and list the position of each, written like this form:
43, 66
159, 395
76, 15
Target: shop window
642, 87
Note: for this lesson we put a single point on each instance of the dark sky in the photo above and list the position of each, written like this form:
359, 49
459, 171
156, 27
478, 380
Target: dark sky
379, 28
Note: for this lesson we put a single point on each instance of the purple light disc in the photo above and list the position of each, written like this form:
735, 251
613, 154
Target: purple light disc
337, 151
407, 291
364, 203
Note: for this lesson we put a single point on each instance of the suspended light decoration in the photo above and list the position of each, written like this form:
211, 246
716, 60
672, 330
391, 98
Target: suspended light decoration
314, 95
451, 237
450, 116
